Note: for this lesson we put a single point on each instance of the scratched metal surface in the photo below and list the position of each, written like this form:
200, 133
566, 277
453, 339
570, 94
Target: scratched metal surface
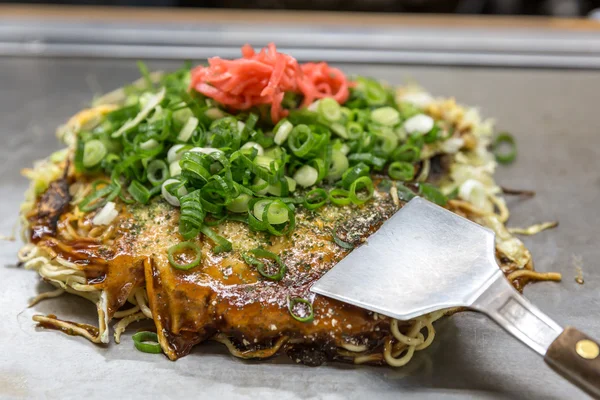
554, 117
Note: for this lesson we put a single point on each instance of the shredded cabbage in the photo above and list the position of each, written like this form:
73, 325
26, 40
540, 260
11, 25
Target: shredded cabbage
106, 215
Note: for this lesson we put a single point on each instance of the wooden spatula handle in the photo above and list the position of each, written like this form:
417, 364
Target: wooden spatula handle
568, 351
576, 357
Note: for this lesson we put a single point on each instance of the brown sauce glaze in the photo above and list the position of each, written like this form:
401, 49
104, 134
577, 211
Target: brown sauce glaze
224, 294
51, 205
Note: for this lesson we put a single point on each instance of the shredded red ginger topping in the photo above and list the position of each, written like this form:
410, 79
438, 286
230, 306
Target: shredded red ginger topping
264, 77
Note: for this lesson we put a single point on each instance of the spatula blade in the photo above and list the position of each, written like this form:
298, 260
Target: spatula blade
424, 258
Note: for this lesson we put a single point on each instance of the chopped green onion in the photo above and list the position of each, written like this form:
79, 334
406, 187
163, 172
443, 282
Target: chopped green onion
347, 113
223, 244
241, 126
176, 152
272, 174
454, 193
340, 197
274, 152
78, 157
366, 141
265, 140
227, 125
416, 140
316, 198
377, 162
319, 165
306, 176
308, 316
192, 214
353, 173
433, 135
277, 189
372, 91
93, 152
150, 105
301, 140
362, 183
344, 149
139, 192
188, 130
343, 244
354, 130
99, 197
276, 211
329, 110
240, 203
409, 109
205, 150
172, 190
253, 145
407, 153
306, 115
214, 222
149, 144
249, 126
264, 161
432, 194
174, 168
339, 129
376, 95
237, 217
401, 171
362, 117
505, 156
183, 115
218, 192
386, 116
158, 115
260, 266
235, 170
404, 193
110, 162
282, 131
259, 207
194, 167
147, 342
386, 142
260, 187
215, 113
157, 172
179, 260
339, 164
273, 210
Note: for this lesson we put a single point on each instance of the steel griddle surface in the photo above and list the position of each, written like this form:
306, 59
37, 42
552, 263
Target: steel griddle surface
553, 115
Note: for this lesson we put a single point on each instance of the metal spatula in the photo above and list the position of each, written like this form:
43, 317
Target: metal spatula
426, 258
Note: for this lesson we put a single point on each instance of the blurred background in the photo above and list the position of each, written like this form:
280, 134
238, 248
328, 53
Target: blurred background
563, 8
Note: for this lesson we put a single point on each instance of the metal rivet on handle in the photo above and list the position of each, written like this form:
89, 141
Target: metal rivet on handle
587, 349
